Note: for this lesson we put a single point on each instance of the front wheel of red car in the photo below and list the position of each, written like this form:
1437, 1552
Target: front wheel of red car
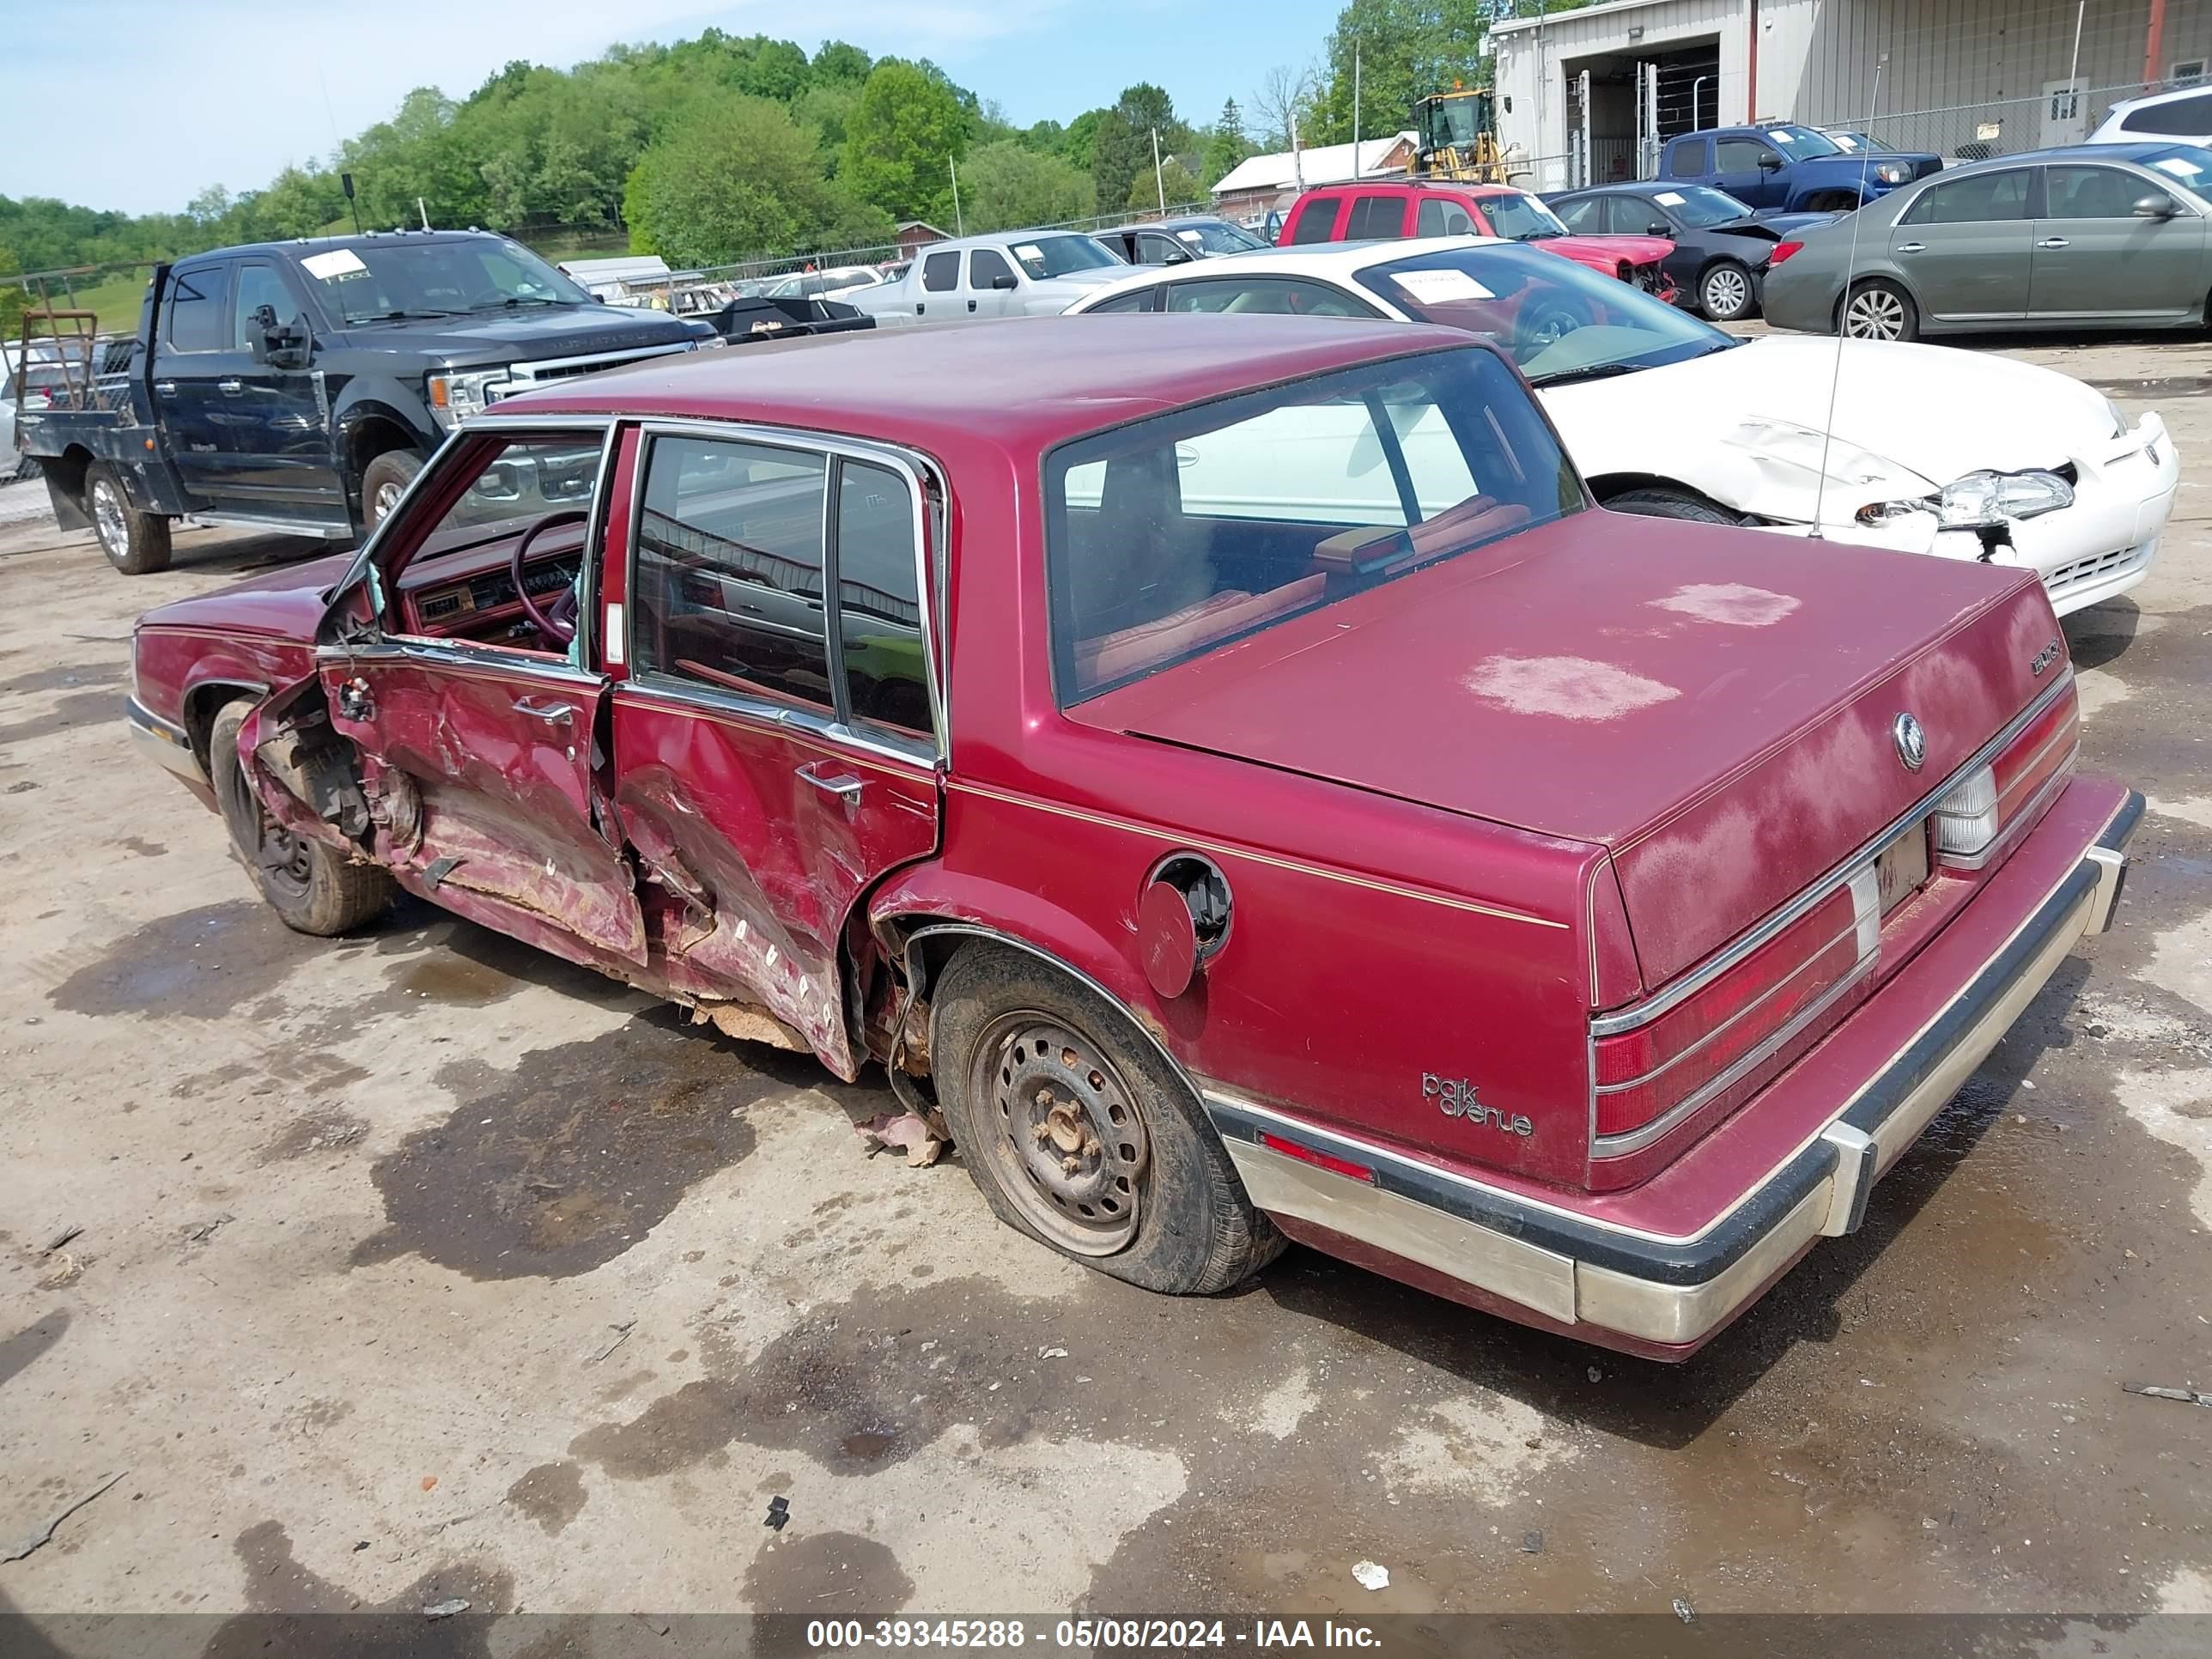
313, 888
1078, 1133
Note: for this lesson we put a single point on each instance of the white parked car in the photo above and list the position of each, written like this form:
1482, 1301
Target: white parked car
2180, 117
839, 282
1933, 450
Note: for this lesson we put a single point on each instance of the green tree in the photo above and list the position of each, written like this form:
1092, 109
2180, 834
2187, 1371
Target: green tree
1174, 179
838, 63
1406, 50
1225, 145
1006, 184
906, 125
1121, 143
738, 180
11, 299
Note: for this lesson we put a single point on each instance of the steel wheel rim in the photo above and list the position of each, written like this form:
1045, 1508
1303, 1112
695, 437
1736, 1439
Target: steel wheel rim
1725, 293
107, 519
1874, 314
1064, 1131
387, 497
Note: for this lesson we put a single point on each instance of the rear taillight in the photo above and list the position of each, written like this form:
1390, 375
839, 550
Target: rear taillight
1993, 802
1782, 251
1708, 1045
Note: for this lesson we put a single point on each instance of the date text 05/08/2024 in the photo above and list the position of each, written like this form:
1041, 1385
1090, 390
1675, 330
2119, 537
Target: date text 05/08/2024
1085, 1635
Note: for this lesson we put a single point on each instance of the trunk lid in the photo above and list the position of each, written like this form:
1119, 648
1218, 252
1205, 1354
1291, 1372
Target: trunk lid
1714, 706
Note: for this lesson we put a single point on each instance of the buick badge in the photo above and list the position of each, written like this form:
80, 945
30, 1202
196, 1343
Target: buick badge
1912, 741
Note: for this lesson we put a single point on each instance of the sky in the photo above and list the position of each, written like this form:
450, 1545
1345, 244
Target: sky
139, 105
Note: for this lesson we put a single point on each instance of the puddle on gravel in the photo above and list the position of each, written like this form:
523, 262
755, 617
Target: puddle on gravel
552, 1495
65, 676
77, 708
202, 964
823, 1574
290, 1608
561, 1164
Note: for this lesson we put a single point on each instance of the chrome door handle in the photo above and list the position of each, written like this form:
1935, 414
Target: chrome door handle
2054, 241
844, 786
230, 388
553, 714
167, 388
1912, 247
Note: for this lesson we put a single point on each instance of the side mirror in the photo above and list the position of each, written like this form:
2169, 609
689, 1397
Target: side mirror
287, 345
1658, 230
601, 298
1006, 280
1769, 163
1178, 257
2154, 206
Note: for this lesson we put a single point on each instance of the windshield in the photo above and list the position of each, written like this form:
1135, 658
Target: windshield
367, 281
1699, 205
1457, 120
1851, 143
1520, 218
1168, 538
1802, 141
2189, 166
1056, 256
1218, 238
1557, 320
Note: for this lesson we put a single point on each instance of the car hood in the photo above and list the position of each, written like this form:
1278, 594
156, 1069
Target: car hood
1606, 251
1847, 166
1917, 416
1713, 705
286, 602
529, 333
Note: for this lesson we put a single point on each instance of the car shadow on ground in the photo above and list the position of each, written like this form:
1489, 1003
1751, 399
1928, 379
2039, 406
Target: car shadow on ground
1819, 1302
2098, 635
216, 551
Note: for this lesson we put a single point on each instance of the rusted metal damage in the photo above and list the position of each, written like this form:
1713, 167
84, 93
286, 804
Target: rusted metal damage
749, 1024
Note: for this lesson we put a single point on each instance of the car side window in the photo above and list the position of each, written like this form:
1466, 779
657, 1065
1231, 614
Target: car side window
1983, 198
728, 589
1125, 303
259, 285
879, 598
2181, 117
197, 318
1154, 249
1374, 217
1583, 217
2093, 192
1316, 222
1441, 217
1685, 158
1277, 297
940, 272
1741, 154
985, 267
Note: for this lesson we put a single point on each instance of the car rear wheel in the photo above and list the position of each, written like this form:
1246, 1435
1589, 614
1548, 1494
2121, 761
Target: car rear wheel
1077, 1132
1724, 292
137, 544
1670, 504
1879, 310
384, 481
312, 887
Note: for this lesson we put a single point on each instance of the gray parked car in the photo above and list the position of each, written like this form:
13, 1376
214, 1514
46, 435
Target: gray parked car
1014, 273
2090, 236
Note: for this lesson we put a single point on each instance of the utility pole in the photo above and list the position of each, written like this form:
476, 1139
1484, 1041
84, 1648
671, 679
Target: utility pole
1355, 109
958, 228
1159, 179
1298, 168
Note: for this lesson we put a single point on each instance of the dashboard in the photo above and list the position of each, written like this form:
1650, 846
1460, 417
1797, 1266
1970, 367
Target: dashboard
468, 592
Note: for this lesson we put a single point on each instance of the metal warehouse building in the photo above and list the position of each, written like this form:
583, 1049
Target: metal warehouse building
1587, 96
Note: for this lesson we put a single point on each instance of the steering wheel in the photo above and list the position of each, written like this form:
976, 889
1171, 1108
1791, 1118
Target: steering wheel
557, 620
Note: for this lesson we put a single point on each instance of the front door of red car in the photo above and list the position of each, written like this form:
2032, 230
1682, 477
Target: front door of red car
477, 716
775, 740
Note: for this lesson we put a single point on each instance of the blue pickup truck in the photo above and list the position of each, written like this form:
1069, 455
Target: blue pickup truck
300, 386
1781, 168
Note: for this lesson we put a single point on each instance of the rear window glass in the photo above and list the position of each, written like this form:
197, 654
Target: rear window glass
1375, 217
1171, 536
2182, 117
1315, 222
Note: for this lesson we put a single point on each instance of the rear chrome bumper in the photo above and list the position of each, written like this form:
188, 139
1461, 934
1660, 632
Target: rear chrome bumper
1659, 1293
169, 743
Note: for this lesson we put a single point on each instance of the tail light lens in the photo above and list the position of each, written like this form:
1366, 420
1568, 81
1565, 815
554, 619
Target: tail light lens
1994, 802
1782, 250
1705, 1045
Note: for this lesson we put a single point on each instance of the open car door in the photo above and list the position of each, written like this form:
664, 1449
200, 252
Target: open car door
476, 709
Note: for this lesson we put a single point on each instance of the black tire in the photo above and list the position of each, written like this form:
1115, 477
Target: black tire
1878, 309
1190, 1229
1669, 504
314, 888
137, 544
383, 481
1726, 293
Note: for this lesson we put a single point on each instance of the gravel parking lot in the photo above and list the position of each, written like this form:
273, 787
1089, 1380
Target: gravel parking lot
418, 1267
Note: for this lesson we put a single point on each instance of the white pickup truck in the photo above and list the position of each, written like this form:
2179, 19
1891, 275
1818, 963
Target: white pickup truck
1019, 273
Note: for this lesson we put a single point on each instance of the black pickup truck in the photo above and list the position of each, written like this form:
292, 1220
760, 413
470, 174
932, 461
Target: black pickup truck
300, 386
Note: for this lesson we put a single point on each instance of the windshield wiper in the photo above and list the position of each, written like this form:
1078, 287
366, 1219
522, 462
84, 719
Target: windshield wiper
514, 300
1586, 372
403, 316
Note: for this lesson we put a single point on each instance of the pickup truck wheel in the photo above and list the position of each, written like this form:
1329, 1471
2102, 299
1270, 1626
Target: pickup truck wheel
137, 544
1079, 1134
313, 888
385, 480
1669, 504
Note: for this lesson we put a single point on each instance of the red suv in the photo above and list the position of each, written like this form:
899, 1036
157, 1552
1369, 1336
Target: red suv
1377, 212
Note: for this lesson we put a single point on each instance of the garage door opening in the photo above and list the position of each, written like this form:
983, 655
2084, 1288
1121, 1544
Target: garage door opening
1623, 106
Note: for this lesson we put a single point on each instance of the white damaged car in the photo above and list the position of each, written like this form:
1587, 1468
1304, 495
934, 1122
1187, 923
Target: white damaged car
1930, 450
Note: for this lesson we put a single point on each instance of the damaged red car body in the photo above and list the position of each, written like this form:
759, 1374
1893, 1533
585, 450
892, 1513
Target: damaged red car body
1229, 770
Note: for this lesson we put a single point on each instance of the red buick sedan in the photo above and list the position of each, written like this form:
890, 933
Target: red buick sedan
1228, 769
